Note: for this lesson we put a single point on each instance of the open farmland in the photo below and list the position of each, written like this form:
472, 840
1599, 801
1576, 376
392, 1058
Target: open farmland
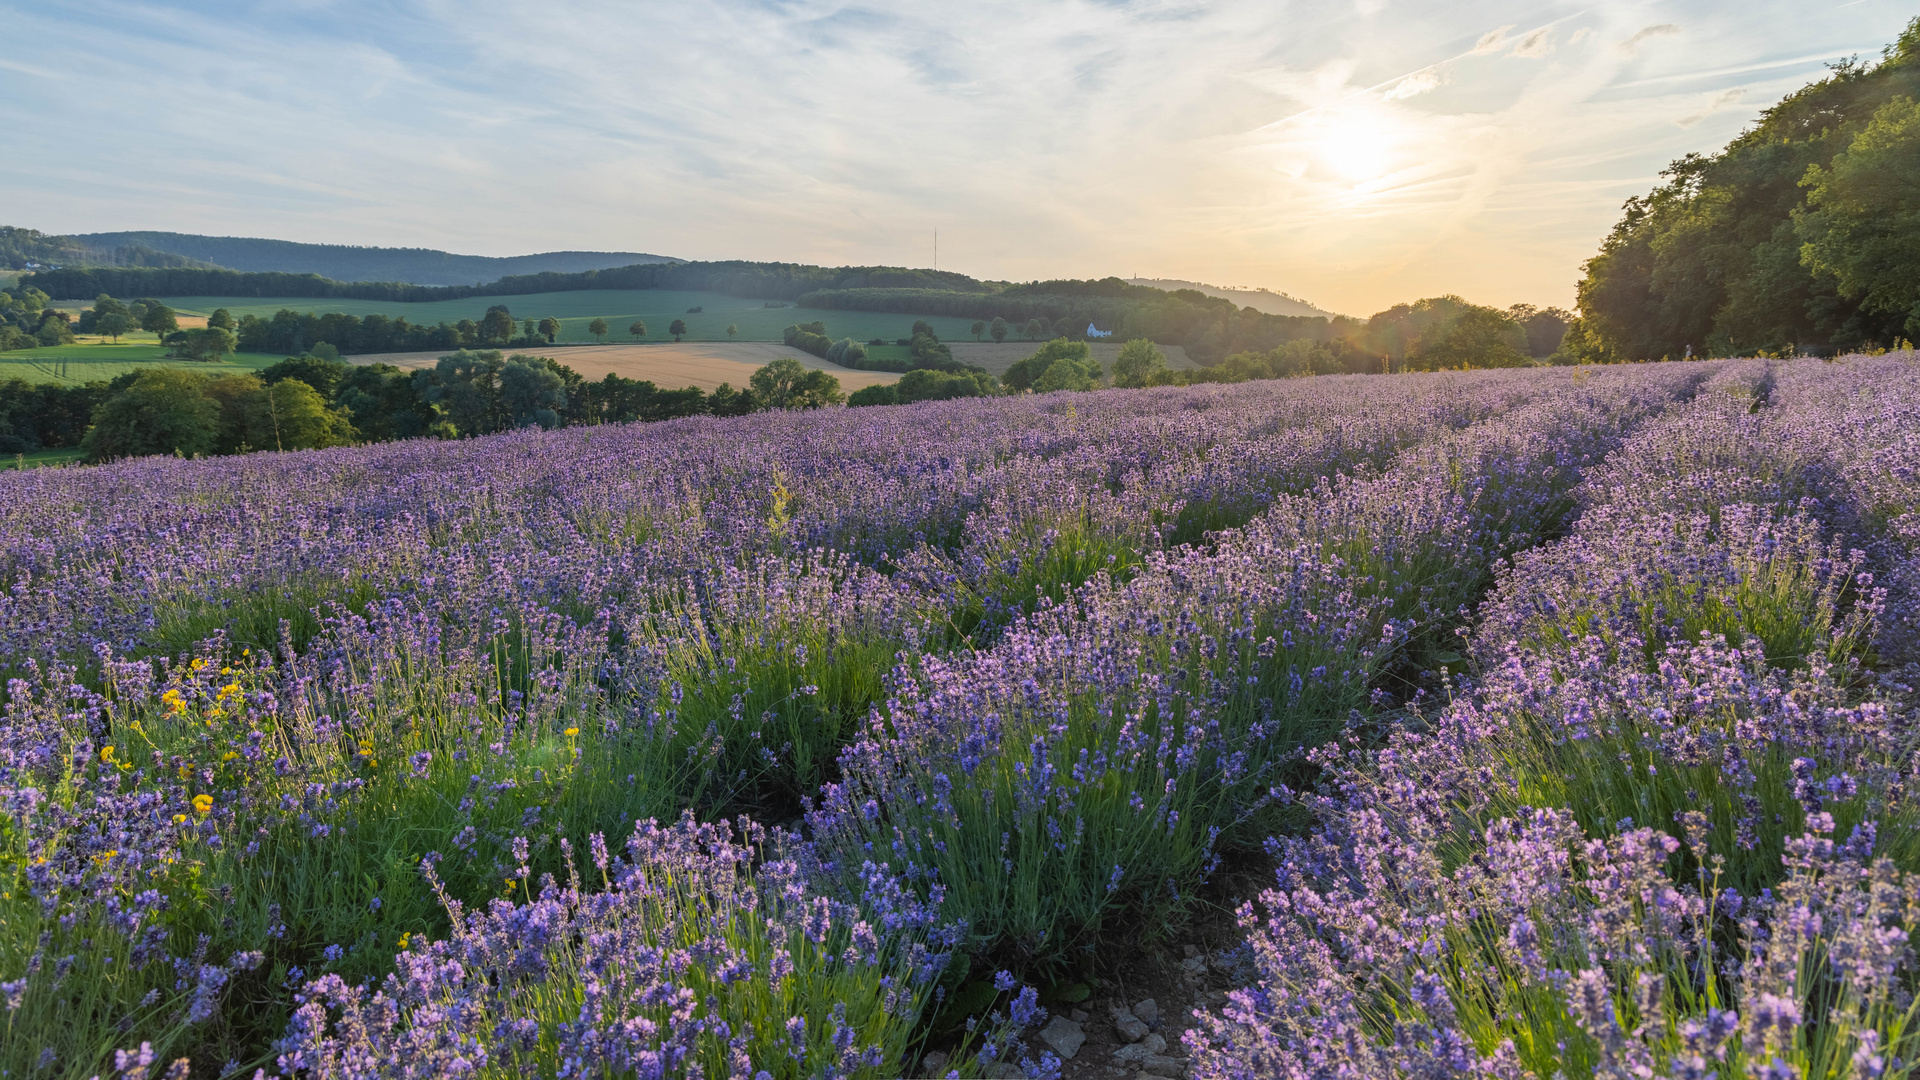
99, 361
337, 756
667, 365
621, 308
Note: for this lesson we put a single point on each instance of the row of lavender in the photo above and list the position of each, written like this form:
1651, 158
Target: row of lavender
1670, 830
1033, 706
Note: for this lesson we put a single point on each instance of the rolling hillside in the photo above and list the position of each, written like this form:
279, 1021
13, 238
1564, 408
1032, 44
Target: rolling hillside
1266, 300
341, 262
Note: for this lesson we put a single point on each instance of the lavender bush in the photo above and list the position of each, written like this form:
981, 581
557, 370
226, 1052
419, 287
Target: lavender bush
306, 756
1668, 828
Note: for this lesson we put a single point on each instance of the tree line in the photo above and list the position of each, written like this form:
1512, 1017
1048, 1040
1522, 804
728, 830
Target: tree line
1798, 236
313, 401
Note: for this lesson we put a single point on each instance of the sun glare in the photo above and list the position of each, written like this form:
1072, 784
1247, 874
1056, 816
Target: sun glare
1352, 147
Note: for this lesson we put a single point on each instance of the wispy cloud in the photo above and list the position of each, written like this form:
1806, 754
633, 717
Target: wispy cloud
1535, 45
1632, 44
1357, 155
1723, 100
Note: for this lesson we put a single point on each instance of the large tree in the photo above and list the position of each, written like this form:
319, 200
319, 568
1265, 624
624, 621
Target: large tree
786, 383
1736, 252
162, 411
158, 318
1862, 223
1139, 364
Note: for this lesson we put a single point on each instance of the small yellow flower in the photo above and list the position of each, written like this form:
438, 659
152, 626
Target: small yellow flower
185, 772
203, 804
175, 703
404, 939
229, 755
572, 731
106, 753
178, 818
231, 690
199, 663
226, 671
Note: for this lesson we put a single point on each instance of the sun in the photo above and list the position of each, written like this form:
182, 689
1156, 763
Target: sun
1353, 146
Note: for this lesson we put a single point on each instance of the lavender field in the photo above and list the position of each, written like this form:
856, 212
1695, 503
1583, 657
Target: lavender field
1565, 713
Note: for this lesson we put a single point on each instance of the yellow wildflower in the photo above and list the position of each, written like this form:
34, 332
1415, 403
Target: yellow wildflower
178, 818
202, 804
198, 663
404, 938
229, 755
572, 731
106, 753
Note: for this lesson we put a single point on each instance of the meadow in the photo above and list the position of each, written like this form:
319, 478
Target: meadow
1565, 713
100, 361
575, 310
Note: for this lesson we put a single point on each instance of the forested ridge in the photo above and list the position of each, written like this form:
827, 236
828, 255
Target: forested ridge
1799, 236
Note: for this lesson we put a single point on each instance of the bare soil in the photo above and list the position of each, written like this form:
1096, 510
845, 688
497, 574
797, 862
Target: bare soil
669, 366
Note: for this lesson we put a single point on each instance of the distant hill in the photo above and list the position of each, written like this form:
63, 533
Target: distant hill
1266, 300
31, 249
340, 262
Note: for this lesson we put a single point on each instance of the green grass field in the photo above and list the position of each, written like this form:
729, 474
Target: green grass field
42, 458
620, 307
100, 362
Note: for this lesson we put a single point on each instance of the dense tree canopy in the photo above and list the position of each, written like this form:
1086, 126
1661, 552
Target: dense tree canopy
1790, 237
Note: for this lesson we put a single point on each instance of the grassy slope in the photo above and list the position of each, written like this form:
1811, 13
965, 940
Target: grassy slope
620, 307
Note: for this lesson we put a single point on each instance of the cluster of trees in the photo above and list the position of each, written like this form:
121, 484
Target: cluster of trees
316, 400
927, 384
46, 417
291, 331
1799, 236
27, 322
1059, 365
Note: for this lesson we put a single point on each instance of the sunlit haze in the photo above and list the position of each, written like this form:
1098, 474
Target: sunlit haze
1354, 156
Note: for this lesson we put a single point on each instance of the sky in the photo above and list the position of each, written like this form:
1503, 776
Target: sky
1355, 154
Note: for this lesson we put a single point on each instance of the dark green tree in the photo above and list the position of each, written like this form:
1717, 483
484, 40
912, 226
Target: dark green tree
1862, 222
158, 319
1716, 257
1139, 364
786, 383
598, 328
638, 329
678, 329
550, 329
998, 331
162, 411
497, 326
